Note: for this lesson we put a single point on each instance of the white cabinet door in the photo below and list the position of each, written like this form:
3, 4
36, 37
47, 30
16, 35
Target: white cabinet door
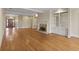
61, 24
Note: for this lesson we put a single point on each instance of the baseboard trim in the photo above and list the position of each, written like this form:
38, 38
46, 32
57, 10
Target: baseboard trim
59, 35
75, 37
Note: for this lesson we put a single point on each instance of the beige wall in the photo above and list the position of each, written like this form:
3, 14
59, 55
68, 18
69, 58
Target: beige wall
34, 22
1, 25
26, 22
19, 21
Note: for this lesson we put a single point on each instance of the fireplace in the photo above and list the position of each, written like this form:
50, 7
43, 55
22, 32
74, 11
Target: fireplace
43, 27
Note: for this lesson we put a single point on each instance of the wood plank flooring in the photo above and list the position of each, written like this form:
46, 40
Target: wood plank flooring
32, 40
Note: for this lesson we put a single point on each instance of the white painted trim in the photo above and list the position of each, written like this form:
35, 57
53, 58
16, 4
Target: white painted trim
69, 24
76, 36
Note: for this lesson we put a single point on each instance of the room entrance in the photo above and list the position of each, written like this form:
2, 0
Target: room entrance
10, 23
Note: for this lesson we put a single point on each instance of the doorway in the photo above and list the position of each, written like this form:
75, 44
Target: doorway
9, 27
10, 23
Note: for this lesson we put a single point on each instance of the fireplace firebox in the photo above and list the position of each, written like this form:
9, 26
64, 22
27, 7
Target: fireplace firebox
43, 27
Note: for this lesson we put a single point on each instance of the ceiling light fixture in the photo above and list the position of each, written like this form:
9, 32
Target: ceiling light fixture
36, 15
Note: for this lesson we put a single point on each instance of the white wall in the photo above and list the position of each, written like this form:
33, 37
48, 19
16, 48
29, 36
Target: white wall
43, 18
51, 22
74, 24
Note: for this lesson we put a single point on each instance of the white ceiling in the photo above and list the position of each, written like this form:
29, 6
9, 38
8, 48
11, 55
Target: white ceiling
39, 10
27, 11
19, 11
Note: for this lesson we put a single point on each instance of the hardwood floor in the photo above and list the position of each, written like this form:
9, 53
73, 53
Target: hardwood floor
31, 40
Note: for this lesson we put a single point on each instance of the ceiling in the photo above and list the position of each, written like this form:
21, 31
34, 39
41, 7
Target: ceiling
19, 11
27, 11
39, 10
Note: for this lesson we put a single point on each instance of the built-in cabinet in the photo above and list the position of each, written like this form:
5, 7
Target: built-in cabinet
61, 23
